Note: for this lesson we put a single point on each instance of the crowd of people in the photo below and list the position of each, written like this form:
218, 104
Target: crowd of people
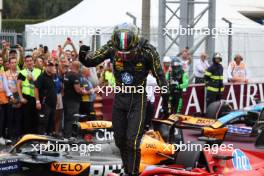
41, 92
204, 73
48, 87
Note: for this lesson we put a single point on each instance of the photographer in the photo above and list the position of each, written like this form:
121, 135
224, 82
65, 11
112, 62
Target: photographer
178, 81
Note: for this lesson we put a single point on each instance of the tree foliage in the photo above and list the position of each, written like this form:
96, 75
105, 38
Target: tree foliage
36, 9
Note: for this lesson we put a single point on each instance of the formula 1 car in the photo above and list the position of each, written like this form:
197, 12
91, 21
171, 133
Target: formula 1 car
214, 161
202, 158
231, 162
218, 121
245, 122
45, 155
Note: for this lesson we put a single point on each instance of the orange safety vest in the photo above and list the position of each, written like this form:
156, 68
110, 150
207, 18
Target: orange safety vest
3, 97
238, 71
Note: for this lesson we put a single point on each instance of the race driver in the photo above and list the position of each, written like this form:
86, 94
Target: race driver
132, 57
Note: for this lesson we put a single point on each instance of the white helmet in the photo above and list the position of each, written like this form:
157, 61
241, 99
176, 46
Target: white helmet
166, 59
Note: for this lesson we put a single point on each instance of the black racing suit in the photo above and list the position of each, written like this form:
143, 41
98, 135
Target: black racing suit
128, 114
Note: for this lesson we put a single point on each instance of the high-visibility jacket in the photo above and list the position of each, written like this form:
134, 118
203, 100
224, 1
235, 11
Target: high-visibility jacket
237, 71
109, 76
28, 86
214, 78
182, 80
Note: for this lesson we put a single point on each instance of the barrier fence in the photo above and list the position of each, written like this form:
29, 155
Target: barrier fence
238, 95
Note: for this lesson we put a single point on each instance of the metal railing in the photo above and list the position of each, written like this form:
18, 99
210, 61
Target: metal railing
12, 37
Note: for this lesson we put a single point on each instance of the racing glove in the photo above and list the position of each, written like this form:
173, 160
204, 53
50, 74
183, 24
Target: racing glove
83, 52
164, 113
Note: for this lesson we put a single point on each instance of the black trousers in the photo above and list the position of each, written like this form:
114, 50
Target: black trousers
149, 113
3, 120
212, 97
30, 116
86, 108
14, 120
46, 119
70, 108
128, 124
176, 102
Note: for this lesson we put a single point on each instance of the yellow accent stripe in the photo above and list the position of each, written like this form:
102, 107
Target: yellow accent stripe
207, 73
135, 145
217, 124
154, 69
215, 89
217, 77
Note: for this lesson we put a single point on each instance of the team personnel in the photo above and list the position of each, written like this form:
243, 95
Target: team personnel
72, 96
214, 80
25, 87
237, 71
132, 59
178, 81
46, 99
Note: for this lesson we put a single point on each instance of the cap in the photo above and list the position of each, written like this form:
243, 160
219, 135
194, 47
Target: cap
166, 59
176, 62
217, 55
50, 63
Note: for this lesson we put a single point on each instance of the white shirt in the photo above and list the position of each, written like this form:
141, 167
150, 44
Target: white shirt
200, 68
185, 65
237, 71
151, 83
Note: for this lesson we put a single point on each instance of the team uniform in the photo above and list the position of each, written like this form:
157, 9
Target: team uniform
214, 81
132, 60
